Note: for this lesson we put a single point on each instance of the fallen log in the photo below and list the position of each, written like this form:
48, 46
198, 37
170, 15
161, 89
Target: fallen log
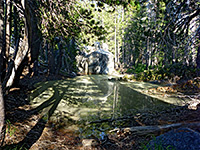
156, 130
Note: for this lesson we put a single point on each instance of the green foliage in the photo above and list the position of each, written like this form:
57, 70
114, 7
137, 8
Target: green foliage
143, 32
163, 72
141, 77
140, 68
67, 19
108, 16
130, 70
136, 69
127, 78
10, 130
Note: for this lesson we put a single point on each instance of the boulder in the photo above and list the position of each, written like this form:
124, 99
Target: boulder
178, 139
96, 62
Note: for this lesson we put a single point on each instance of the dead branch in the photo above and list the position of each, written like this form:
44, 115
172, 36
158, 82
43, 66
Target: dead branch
156, 130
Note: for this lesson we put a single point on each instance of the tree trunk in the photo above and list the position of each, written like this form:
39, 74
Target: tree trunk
20, 70
147, 53
33, 31
115, 40
123, 39
51, 60
59, 59
2, 111
198, 60
1, 36
2, 116
2, 40
22, 52
118, 41
16, 30
31, 41
8, 26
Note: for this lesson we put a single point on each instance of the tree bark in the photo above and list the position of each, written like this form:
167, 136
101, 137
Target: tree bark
2, 111
1, 36
198, 57
2, 40
116, 40
8, 26
59, 59
22, 52
34, 37
198, 61
51, 60
2, 116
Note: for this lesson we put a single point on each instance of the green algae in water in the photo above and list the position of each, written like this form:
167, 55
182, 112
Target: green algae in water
75, 102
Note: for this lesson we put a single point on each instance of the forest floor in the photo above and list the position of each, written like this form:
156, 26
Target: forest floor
27, 130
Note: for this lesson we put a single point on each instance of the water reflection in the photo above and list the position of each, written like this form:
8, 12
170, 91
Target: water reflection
89, 98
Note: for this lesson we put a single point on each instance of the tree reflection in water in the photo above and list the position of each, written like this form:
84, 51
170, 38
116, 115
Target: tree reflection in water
88, 98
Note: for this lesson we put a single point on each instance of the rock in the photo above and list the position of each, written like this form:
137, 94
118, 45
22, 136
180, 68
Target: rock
97, 62
105, 46
154, 82
178, 139
90, 142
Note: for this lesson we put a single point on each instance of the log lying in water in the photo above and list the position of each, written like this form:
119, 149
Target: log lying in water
156, 130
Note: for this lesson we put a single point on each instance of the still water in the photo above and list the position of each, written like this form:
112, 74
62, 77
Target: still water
77, 102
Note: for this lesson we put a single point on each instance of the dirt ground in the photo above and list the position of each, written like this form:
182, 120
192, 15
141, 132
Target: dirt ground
26, 129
